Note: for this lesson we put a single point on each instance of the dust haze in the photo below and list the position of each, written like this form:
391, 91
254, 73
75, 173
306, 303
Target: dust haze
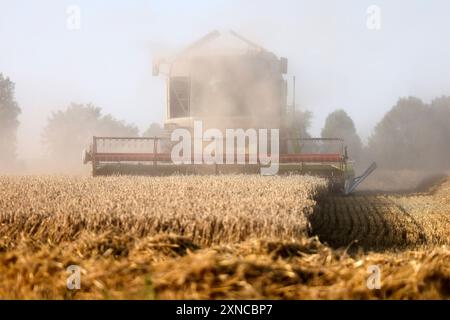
339, 63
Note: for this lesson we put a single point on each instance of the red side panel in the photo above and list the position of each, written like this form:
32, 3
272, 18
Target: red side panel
310, 157
132, 157
165, 157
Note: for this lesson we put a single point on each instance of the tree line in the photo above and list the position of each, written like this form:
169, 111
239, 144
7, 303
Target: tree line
411, 135
9, 123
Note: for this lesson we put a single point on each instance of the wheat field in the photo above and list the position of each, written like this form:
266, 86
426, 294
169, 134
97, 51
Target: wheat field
209, 237
206, 209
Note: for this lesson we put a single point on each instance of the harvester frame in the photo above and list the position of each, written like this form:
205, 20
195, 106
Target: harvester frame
155, 159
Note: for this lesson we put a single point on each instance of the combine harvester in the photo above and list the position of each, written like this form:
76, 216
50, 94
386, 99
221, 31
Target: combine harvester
226, 82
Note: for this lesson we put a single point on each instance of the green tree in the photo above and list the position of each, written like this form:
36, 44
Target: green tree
154, 130
439, 133
9, 113
298, 123
339, 125
302, 123
296, 126
413, 135
69, 131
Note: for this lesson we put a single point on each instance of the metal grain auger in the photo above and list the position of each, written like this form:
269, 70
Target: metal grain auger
226, 87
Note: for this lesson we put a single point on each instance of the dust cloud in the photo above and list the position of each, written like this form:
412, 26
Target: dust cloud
243, 87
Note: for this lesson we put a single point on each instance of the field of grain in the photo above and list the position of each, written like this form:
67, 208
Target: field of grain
211, 237
207, 209
383, 221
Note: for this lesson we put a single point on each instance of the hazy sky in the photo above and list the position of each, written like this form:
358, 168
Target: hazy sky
338, 61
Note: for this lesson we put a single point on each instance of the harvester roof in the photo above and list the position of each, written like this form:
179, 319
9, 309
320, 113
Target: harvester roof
223, 43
